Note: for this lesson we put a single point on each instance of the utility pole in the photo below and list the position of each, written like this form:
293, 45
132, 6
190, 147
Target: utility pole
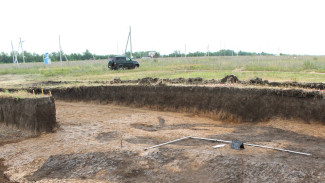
185, 50
130, 44
61, 52
208, 51
21, 44
127, 42
13, 54
60, 49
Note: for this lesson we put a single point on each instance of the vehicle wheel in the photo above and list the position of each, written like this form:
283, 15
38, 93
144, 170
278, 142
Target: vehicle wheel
136, 67
120, 67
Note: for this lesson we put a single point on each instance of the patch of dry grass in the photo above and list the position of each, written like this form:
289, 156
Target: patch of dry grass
20, 94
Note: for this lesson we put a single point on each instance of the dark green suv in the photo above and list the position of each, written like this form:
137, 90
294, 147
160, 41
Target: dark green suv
122, 62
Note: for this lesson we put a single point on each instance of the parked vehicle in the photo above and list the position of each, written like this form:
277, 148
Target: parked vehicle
122, 62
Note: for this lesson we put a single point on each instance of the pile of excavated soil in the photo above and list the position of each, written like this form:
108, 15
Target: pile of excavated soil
226, 79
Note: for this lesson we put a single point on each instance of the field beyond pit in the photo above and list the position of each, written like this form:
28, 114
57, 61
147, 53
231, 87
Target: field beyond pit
272, 68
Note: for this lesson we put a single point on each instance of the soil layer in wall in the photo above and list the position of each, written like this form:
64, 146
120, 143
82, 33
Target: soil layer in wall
34, 114
225, 103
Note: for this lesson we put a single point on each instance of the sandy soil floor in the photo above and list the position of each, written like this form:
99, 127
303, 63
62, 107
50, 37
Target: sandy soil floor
104, 143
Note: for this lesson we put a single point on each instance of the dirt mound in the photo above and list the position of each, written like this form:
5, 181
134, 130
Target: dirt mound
258, 80
211, 81
230, 79
176, 80
197, 80
116, 81
147, 81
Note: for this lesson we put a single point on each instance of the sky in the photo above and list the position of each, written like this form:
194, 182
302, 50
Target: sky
102, 26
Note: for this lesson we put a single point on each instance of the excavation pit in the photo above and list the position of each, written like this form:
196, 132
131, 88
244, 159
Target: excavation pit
108, 142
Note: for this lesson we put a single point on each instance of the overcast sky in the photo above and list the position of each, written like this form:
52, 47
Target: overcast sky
286, 26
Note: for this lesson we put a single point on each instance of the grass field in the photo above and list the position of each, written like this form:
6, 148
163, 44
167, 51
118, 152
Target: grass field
272, 68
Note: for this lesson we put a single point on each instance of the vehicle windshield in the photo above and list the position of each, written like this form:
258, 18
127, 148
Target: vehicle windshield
128, 59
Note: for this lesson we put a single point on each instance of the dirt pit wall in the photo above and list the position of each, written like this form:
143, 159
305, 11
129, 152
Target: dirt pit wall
34, 114
223, 103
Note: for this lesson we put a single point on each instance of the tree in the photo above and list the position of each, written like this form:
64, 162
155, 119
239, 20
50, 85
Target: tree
87, 55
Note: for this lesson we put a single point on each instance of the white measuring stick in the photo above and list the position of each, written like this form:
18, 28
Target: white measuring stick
278, 149
221, 145
167, 143
215, 140
254, 145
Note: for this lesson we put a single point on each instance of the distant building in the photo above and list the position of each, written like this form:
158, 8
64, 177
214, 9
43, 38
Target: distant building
153, 54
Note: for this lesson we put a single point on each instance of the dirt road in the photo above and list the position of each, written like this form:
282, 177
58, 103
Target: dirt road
104, 143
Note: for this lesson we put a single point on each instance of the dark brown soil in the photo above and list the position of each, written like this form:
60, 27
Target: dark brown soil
223, 103
34, 114
128, 166
229, 79
226, 79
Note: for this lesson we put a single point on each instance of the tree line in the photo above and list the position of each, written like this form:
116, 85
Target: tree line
54, 56
87, 55
224, 52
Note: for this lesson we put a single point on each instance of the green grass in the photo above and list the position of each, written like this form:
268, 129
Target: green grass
273, 68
